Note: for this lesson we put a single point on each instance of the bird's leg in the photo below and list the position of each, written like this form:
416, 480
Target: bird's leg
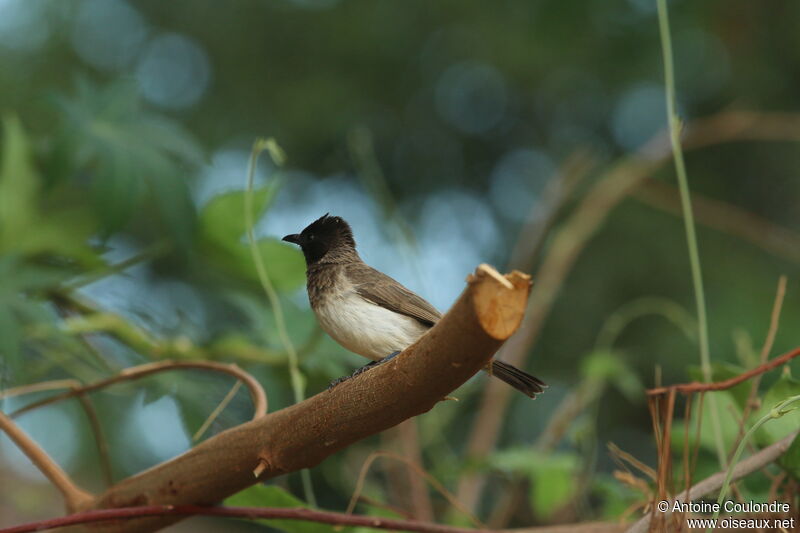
362, 369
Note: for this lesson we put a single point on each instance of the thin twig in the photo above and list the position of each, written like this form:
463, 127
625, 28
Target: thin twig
765, 350
302, 435
215, 413
777, 411
404, 484
147, 254
724, 217
715, 481
419, 471
664, 480
250, 513
362, 150
687, 424
622, 317
263, 276
569, 409
257, 394
613, 185
99, 439
543, 214
75, 497
696, 386
64, 311
86, 404
623, 459
688, 216
41, 386
372, 502
526, 253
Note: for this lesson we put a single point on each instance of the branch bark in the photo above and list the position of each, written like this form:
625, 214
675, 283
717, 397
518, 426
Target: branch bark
696, 386
322, 517
74, 497
257, 393
488, 312
183, 511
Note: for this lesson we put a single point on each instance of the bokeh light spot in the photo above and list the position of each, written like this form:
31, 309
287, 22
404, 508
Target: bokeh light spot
639, 114
108, 34
155, 446
174, 71
471, 97
52, 428
22, 24
517, 182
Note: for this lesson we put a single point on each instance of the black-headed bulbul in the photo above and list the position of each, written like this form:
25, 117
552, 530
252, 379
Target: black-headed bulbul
366, 311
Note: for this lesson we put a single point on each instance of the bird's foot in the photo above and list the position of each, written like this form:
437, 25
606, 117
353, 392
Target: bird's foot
336, 381
362, 370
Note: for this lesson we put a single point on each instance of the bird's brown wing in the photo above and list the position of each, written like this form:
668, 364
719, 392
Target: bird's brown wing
382, 290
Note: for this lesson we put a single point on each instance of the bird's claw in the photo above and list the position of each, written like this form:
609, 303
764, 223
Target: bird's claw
360, 370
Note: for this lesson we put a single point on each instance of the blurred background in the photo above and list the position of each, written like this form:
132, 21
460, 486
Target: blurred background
448, 134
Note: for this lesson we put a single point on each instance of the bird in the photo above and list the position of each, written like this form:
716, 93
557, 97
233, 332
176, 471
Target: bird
366, 311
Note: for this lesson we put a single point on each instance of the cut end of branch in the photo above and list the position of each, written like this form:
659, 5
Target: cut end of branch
500, 300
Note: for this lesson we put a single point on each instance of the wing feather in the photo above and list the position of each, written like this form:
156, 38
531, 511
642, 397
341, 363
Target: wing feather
380, 289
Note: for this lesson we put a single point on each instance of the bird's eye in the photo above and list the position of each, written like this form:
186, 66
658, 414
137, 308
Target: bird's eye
311, 237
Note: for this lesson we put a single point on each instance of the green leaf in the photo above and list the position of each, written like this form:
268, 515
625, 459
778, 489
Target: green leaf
285, 265
127, 150
552, 476
16, 310
175, 206
610, 367
10, 337
222, 230
25, 229
19, 185
776, 429
116, 195
554, 485
728, 418
63, 232
222, 218
615, 498
272, 496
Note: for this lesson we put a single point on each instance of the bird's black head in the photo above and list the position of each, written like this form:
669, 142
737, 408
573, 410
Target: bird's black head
328, 236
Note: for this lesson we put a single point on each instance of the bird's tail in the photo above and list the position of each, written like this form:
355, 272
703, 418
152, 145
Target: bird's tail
519, 379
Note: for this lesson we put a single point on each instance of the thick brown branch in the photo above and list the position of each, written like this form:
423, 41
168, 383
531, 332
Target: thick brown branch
257, 393
74, 497
696, 386
458, 346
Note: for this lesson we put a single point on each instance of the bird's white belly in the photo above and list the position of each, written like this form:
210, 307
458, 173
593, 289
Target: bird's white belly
366, 328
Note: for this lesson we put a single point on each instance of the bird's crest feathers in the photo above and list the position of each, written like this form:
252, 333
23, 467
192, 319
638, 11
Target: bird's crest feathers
329, 227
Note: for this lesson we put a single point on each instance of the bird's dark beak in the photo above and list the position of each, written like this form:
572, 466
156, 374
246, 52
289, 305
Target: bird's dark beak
293, 238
